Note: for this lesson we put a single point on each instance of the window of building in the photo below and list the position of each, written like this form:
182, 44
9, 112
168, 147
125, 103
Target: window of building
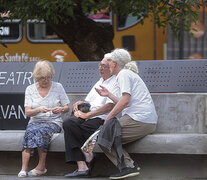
10, 31
124, 22
39, 31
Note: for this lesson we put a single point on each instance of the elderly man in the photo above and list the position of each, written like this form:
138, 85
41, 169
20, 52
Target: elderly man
139, 117
78, 128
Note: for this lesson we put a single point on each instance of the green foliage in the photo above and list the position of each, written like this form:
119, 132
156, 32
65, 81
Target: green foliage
53, 10
175, 13
178, 14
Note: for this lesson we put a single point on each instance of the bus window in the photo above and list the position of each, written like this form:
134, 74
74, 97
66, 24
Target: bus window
40, 32
11, 31
124, 22
103, 16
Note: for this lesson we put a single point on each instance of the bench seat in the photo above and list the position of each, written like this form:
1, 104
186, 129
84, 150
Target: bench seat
153, 144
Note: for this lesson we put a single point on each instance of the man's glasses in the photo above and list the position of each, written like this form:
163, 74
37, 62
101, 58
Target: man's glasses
103, 66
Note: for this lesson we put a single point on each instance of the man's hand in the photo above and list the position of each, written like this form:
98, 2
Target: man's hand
82, 115
75, 106
103, 91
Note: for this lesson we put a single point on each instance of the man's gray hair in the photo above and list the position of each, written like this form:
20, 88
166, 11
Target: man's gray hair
123, 59
107, 55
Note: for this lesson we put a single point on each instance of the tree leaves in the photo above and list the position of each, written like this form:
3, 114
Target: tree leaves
163, 12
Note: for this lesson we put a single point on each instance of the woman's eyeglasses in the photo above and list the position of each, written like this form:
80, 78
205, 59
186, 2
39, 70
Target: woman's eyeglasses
47, 78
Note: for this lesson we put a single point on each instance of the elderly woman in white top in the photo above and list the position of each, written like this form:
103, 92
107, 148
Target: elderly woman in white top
139, 116
45, 100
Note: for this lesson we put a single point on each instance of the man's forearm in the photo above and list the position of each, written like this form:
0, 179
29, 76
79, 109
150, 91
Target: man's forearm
113, 98
101, 110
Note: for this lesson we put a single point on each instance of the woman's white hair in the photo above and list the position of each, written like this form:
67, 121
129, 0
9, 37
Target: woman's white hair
123, 59
43, 68
132, 66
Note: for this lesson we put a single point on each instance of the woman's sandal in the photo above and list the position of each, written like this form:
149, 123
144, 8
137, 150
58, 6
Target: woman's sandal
22, 174
35, 172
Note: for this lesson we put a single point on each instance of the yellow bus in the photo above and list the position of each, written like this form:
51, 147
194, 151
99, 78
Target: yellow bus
32, 41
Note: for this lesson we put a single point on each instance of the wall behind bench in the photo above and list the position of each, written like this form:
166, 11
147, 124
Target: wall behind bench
169, 76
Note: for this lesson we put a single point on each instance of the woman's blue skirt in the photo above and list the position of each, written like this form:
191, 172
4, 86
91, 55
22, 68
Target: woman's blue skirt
39, 134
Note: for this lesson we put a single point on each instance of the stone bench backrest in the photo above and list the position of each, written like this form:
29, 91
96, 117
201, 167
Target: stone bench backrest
178, 113
159, 75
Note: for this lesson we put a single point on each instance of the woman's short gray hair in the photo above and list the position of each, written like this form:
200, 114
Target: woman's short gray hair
123, 59
43, 68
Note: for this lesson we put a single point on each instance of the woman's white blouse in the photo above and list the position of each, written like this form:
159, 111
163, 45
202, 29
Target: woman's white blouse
55, 97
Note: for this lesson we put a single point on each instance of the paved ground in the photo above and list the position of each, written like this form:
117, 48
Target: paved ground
14, 177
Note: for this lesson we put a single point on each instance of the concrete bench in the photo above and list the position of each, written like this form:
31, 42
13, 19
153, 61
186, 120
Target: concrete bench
181, 127
178, 89
152, 144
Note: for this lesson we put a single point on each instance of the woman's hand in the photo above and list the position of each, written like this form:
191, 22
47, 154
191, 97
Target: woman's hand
103, 91
33, 112
43, 109
57, 110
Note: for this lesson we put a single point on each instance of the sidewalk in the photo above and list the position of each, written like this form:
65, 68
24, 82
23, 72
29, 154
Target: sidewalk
14, 177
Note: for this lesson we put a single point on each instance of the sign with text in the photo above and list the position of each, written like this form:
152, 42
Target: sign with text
12, 112
15, 77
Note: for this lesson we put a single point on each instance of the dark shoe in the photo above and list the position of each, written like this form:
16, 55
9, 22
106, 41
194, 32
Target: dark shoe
77, 173
136, 166
126, 172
